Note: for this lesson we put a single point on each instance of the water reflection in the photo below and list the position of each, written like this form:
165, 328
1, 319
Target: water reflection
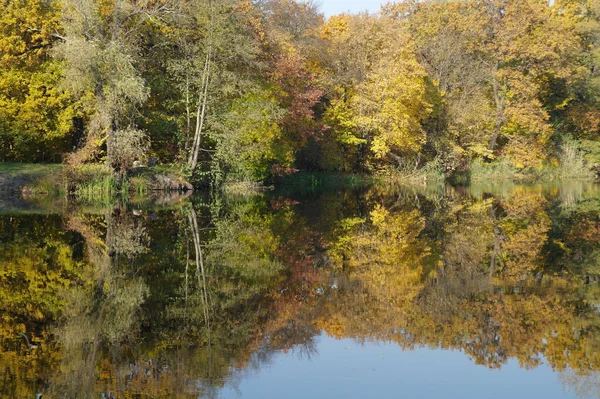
181, 298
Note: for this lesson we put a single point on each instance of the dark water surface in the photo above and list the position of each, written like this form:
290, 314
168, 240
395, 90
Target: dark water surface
438, 292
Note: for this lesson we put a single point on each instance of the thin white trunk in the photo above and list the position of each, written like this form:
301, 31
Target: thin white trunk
201, 275
187, 110
200, 113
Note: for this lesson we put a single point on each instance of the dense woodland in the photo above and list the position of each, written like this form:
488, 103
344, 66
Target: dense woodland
249, 90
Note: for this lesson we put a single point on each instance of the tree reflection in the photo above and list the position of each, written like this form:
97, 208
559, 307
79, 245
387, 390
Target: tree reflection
181, 302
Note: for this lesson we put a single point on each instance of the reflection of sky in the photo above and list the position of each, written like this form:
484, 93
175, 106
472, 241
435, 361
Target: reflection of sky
332, 7
345, 369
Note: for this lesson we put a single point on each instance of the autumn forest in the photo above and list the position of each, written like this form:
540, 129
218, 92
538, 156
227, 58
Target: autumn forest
181, 300
241, 90
250, 198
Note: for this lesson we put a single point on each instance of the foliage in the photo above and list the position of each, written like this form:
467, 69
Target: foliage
253, 142
494, 171
130, 145
139, 300
236, 90
379, 100
36, 115
100, 68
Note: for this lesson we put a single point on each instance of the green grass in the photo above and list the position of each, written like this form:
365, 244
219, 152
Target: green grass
139, 185
570, 167
30, 169
498, 171
573, 160
100, 189
166, 170
89, 184
244, 188
429, 173
96, 183
33, 179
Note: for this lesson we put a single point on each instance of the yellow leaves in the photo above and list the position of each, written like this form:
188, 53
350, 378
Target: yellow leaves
26, 28
336, 27
340, 117
480, 150
526, 152
378, 215
481, 207
379, 147
385, 254
335, 327
347, 224
35, 278
526, 227
498, 64
380, 93
393, 108
107, 8
37, 116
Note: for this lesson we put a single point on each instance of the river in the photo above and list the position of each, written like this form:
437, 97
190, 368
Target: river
382, 292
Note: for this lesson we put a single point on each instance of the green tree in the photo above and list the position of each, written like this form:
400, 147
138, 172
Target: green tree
99, 55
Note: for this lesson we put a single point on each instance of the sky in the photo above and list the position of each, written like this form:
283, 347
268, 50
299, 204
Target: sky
332, 7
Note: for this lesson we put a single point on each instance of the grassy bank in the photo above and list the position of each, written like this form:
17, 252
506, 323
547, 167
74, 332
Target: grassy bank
94, 183
30, 169
428, 174
46, 179
88, 183
571, 168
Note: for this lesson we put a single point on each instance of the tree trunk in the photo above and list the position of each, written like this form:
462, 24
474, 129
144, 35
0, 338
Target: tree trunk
200, 113
497, 253
188, 115
202, 97
110, 148
499, 100
200, 272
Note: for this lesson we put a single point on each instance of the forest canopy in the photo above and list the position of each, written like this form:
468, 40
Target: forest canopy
251, 90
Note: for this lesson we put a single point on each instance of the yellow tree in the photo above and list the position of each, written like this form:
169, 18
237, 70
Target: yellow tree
524, 44
36, 116
583, 113
526, 227
376, 86
385, 253
493, 61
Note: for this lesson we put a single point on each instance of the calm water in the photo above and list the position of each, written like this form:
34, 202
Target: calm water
433, 292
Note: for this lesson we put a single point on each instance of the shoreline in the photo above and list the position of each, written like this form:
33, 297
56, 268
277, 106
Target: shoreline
94, 182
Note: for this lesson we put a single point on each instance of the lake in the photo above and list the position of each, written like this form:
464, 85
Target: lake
383, 291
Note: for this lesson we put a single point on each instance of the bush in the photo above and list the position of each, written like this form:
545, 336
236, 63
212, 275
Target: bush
499, 170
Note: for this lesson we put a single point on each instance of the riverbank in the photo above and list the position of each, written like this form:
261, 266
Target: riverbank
31, 178
88, 182
95, 183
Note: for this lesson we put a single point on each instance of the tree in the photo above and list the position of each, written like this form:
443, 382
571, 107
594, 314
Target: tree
512, 51
581, 113
377, 87
36, 115
292, 47
218, 63
99, 55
